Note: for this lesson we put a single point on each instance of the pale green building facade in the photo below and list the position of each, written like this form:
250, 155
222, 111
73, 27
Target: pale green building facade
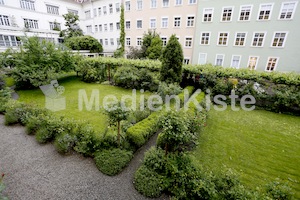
260, 35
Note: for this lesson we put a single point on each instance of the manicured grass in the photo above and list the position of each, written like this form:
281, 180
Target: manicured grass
72, 86
260, 145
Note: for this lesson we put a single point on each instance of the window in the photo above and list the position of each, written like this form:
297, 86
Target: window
96, 28
31, 23
104, 10
186, 61
127, 5
128, 41
279, 39
99, 11
118, 41
188, 42
138, 41
240, 39
54, 26
4, 20
165, 3
95, 12
152, 23
8, 41
177, 21
127, 25
75, 12
117, 7
245, 13
190, 21
164, 41
227, 14
223, 39
100, 27
112, 43
111, 10
105, 27
153, 4
272, 63
111, 26
252, 63
207, 14
219, 60
106, 41
287, 10
205, 38
27, 4
164, 22
258, 39
52, 10
101, 41
139, 4
264, 12
202, 58
1, 2
235, 61
178, 2
118, 25
89, 29
139, 23
192, 1
87, 14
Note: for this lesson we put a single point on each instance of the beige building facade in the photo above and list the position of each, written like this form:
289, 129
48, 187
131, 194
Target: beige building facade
166, 17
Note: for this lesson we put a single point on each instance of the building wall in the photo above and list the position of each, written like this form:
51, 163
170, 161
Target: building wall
170, 11
288, 58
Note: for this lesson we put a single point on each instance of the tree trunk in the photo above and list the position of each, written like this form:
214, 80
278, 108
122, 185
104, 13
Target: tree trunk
119, 134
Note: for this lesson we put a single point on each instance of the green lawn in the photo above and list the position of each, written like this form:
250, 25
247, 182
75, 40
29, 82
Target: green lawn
259, 145
72, 86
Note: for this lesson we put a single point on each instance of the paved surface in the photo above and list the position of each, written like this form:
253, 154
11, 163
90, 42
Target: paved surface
34, 171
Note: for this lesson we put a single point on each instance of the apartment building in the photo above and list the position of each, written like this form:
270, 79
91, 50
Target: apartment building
259, 35
165, 17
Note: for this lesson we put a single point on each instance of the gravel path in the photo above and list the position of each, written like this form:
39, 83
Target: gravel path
34, 171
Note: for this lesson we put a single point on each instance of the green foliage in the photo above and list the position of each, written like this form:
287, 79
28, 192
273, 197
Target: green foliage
5, 95
73, 29
87, 142
279, 191
148, 182
148, 38
172, 58
65, 142
119, 53
91, 70
135, 53
43, 135
2, 187
155, 49
33, 124
84, 43
111, 162
165, 89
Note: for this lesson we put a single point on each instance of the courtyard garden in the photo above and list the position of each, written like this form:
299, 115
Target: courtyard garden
199, 154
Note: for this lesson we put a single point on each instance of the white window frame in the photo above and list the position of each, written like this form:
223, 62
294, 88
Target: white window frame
33, 23
235, 38
242, 7
111, 8
138, 5
150, 23
186, 58
201, 36
232, 11
99, 11
275, 67
111, 26
240, 58
118, 26
87, 14
139, 39
260, 9
27, 4
190, 21
112, 41
165, 6
263, 41
106, 41
177, 21
285, 38
222, 40
100, 27
51, 9
256, 64
294, 10
192, 2
89, 29
161, 37
104, 10
117, 7
191, 41
162, 22
177, 1
96, 28
153, 3
216, 59
127, 6
75, 12
137, 20
5, 20
128, 28
126, 41
105, 27
54, 25
205, 12
205, 58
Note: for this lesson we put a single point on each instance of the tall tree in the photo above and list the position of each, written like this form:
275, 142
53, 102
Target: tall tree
172, 58
121, 50
73, 29
147, 40
155, 49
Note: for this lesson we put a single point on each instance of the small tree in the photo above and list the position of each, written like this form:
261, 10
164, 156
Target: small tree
121, 50
155, 49
116, 114
84, 43
73, 29
147, 40
172, 58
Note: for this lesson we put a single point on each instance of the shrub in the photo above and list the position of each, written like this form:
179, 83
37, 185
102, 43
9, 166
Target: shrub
10, 118
280, 191
126, 77
91, 70
87, 143
5, 95
43, 135
84, 43
148, 182
111, 162
33, 124
165, 89
155, 160
64, 142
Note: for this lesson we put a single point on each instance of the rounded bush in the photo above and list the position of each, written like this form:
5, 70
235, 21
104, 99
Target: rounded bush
43, 135
64, 142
